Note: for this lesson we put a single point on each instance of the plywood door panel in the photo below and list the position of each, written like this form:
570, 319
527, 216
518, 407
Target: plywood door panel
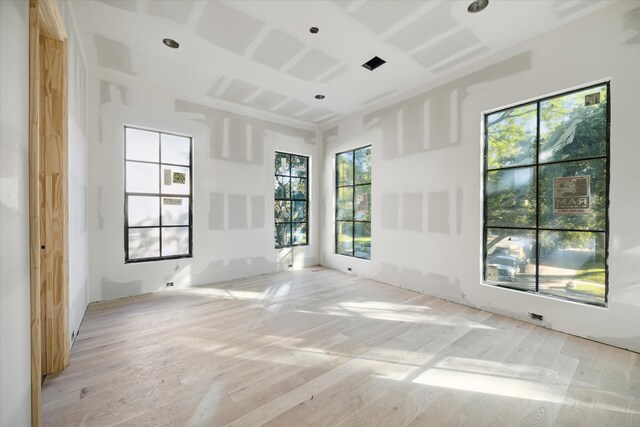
54, 214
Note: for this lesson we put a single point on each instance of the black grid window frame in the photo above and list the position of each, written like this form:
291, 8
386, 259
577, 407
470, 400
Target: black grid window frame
160, 195
537, 165
290, 199
353, 220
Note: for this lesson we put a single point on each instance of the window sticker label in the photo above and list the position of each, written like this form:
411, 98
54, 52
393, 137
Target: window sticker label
572, 195
592, 99
179, 178
362, 203
167, 177
172, 201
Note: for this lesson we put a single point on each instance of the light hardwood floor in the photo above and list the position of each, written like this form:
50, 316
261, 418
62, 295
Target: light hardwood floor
319, 347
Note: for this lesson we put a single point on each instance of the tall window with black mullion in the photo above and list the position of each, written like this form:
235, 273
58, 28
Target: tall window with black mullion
546, 196
353, 203
158, 195
291, 200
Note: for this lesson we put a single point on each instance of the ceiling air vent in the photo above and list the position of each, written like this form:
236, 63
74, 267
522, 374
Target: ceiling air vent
373, 63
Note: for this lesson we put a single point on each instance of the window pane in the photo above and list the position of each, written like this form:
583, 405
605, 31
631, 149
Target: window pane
175, 211
574, 126
175, 241
298, 188
363, 203
572, 265
283, 187
512, 137
362, 240
574, 208
283, 234
282, 211
300, 234
511, 258
363, 165
142, 145
344, 166
299, 166
175, 180
143, 211
300, 211
345, 203
511, 197
345, 237
142, 178
282, 164
175, 149
144, 243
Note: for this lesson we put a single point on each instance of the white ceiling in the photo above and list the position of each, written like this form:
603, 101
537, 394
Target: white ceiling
259, 58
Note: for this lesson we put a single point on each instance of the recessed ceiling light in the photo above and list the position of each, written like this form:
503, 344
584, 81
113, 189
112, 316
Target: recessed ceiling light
171, 43
374, 63
314, 30
477, 6
319, 96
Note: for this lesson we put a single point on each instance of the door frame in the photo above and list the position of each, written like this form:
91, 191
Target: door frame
48, 113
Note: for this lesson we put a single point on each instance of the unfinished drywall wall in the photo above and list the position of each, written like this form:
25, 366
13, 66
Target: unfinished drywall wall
78, 174
427, 176
233, 190
15, 355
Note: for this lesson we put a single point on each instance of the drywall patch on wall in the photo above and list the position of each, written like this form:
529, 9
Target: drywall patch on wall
277, 49
380, 16
313, 64
112, 289
415, 126
427, 27
238, 91
330, 135
267, 100
114, 55
175, 11
438, 213
238, 138
257, 211
216, 211
228, 28
412, 211
390, 211
237, 211
631, 26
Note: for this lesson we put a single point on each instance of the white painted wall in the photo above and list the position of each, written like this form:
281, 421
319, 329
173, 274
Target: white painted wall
78, 175
427, 170
15, 371
232, 190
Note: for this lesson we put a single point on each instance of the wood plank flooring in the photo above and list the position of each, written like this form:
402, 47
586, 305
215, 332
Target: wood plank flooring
319, 347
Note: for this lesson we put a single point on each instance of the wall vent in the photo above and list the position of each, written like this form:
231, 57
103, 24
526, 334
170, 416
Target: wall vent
373, 63
535, 316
